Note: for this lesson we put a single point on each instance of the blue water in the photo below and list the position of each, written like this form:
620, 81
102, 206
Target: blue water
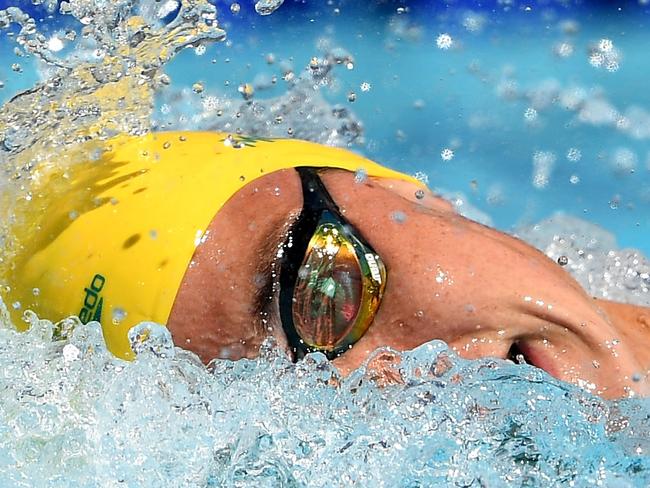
509, 100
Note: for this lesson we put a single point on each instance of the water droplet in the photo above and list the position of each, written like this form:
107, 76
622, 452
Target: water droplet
530, 114
352, 97
73, 214
151, 338
17, 68
562, 260
447, 154
422, 177
167, 145
153, 234
118, 315
16, 305
365, 86
419, 194
36, 291
70, 353
55, 44
267, 7
444, 41
574, 179
197, 87
605, 45
247, 91
235, 8
242, 178
360, 175
164, 79
398, 216
200, 50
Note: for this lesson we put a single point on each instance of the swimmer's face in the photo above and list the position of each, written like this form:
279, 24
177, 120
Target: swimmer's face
481, 291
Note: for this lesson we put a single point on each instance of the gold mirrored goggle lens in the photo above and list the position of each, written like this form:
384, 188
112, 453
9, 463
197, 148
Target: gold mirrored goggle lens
338, 289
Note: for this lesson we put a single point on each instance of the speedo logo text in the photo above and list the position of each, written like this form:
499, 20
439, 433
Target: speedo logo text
93, 302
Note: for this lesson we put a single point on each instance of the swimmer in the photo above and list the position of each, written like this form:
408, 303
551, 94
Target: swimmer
228, 240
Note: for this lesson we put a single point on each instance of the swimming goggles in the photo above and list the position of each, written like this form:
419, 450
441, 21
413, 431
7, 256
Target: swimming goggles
331, 279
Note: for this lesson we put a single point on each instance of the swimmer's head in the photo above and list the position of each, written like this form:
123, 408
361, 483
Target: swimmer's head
112, 242
228, 240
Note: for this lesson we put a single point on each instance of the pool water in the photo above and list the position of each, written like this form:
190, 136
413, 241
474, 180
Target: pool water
532, 117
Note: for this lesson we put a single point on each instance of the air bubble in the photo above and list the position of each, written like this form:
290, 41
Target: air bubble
352, 97
197, 87
167, 145
563, 260
235, 8
419, 194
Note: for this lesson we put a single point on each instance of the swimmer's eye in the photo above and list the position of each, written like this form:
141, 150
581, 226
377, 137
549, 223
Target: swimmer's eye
331, 281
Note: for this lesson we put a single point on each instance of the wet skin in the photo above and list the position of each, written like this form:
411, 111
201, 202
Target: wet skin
449, 278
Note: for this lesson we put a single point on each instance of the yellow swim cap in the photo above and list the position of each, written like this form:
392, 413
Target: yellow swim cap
114, 244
